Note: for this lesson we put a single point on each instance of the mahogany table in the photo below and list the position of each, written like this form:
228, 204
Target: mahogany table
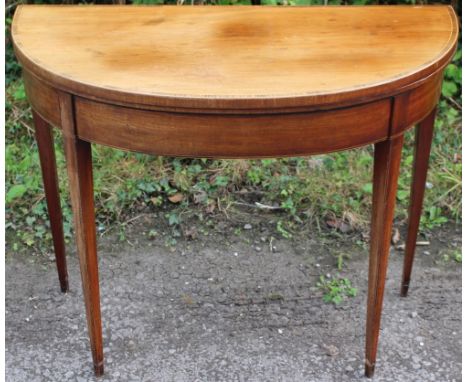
234, 82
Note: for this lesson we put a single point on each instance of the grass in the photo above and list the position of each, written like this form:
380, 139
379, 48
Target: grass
304, 189
301, 192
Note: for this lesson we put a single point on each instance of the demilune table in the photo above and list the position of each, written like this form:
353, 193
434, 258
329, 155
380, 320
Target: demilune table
233, 82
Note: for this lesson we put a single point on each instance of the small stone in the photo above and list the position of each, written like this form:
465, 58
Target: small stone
317, 265
263, 239
69, 375
427, 253
248, 226
331, 350
328, 276
258, 249
349, 369
236, 254
172, 351
414, 314
280, 331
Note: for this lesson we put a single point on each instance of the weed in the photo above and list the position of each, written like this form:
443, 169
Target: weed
275, 296
457, 255
336, 290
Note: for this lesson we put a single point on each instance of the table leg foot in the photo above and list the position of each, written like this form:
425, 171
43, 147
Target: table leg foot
422, 149
369, 370
387, 157
64, 287
45, 145
99, 369
404, 290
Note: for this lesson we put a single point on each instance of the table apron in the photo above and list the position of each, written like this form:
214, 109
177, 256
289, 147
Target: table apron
231, 136
238, 135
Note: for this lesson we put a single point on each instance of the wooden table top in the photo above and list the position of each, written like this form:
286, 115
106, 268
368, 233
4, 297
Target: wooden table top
234, 57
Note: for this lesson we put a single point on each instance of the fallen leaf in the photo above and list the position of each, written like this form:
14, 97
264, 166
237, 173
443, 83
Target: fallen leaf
333, 223
176, 198
210, 207
345, 227
339, 225
191, 233
199, 197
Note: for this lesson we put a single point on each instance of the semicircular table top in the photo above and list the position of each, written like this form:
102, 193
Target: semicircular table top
234, 57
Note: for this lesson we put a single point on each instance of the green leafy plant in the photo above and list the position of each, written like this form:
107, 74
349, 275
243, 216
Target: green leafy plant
336, 290
457, 255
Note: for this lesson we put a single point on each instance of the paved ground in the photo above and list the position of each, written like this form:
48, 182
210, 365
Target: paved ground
230, 311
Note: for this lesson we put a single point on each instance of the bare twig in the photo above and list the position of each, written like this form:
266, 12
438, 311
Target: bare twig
124, 223
455, 103
260, 206
423, 243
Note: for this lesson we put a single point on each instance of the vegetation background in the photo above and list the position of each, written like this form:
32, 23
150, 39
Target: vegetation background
327, 192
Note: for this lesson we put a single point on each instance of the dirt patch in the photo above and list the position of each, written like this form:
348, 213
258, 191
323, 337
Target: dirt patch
234, 303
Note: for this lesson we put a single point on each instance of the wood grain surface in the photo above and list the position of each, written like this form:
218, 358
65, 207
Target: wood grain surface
45, 146
237, 57
80, 177
231, 136
43, 98
422, 150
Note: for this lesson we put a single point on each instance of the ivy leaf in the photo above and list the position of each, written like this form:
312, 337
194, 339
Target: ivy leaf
173, 219
454, 72
402, 195
367, 188
20, 93
221, 181
17, 191
176, 198
449, 89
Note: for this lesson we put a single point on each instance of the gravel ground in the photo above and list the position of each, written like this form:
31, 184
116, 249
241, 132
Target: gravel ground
228, 310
